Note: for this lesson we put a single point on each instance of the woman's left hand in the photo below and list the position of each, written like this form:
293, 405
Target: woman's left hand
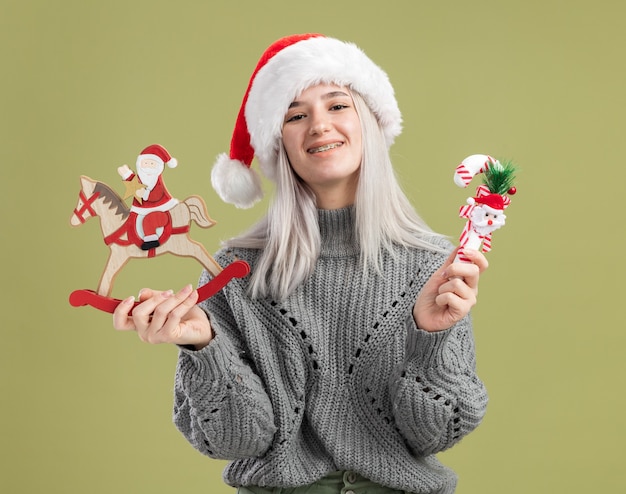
450, 293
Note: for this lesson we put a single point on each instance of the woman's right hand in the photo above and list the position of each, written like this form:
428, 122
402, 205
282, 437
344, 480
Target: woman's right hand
165, 317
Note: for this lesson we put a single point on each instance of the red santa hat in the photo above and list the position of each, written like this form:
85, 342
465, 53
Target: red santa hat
495, 202
158, 153
288, 67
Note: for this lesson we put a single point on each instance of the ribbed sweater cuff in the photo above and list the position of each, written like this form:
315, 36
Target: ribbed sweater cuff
216, 359
425, 346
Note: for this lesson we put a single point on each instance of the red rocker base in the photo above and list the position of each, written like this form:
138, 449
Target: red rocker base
237, 269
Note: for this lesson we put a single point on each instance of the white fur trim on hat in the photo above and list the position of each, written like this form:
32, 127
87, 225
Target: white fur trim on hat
302, 65
236, 183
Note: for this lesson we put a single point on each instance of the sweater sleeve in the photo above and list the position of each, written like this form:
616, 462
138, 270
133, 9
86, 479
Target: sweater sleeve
437, 396
220, 404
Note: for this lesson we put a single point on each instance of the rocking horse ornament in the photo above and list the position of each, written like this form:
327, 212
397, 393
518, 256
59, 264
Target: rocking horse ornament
155, 224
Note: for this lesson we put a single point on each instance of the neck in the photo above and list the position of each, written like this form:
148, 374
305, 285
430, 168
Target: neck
337, 196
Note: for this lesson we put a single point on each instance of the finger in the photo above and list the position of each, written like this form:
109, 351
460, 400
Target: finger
477, 258
455, 306
176, 329
166, 325
122, 321
185, 305
465, 271
163, 311
143, 313
457, 286
145, 294
457, 295
450, 260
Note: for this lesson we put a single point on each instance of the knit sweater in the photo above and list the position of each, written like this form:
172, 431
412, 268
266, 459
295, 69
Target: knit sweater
335, 377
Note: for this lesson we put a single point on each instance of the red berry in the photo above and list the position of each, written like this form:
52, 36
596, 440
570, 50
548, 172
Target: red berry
512, 191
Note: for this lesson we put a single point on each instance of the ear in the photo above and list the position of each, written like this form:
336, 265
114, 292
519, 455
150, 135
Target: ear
87, 183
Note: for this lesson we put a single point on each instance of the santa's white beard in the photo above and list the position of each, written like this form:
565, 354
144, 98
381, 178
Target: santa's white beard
480, 223
149, 176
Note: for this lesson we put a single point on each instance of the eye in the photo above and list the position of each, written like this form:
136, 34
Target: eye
338, 106
294, 118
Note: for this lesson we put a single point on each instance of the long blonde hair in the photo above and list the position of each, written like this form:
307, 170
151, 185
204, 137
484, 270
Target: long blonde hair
289, 237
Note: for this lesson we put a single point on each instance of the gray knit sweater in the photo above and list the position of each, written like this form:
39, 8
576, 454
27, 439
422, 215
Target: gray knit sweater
335, 377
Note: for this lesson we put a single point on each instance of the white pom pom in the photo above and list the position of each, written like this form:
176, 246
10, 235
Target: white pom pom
236, 183
172, 163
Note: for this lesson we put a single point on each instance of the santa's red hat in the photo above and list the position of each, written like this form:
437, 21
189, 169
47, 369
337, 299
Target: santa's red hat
159, 153
288, 67
494, 201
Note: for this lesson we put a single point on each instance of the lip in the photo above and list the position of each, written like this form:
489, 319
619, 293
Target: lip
317, 145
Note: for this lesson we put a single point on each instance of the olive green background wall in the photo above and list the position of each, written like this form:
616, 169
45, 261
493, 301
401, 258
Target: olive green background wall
85, 85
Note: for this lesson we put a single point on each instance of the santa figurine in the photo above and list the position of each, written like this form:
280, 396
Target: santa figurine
151, 199
484, 211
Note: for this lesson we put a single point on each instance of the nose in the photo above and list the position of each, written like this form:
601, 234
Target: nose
320, 124
490, 222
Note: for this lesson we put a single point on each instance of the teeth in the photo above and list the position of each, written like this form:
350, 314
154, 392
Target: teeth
326, 147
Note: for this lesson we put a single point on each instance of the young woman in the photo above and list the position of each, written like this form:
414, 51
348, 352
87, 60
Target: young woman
345, 361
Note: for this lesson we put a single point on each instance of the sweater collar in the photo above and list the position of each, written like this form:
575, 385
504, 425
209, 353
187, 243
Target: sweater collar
337, 232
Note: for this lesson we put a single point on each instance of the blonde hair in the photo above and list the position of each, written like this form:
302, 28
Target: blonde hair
289, 237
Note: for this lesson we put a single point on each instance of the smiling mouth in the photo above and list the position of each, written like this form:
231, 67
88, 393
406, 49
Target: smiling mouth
325, 147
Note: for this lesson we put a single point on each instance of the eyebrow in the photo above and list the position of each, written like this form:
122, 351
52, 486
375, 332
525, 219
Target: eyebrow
330, 95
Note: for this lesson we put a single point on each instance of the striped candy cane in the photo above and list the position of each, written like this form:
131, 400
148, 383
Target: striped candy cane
470, 166
470, 238
463, 175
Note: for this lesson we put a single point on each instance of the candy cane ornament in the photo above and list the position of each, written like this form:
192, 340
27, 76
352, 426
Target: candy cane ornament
471, 166
484, 211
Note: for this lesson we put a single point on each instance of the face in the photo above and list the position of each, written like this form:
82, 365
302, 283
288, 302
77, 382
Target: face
322, 138
149, 165
149, 170
485, 220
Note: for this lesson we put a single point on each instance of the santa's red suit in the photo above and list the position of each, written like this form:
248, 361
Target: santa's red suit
155, 202
154, 208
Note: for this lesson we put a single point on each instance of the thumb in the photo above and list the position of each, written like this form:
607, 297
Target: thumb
449, 260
